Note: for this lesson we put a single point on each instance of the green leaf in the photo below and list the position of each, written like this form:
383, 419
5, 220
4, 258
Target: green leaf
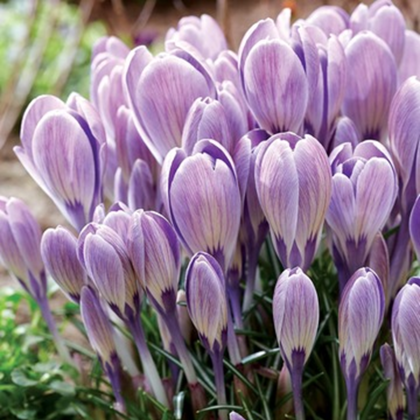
63, 388
19, 377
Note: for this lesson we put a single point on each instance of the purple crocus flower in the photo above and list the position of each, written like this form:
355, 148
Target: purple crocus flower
59, 253
404, 123
370, 85
205, 291
273, 79
296, 318
201, 195
332, 20
385, 20
363, 194
360, 317
395, 393
293, 183
63, 149
201, 33
161, 91
101, 337
405, 328
235, 416
20, 238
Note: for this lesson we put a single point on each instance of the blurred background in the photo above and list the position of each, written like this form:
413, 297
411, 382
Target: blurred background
45, 47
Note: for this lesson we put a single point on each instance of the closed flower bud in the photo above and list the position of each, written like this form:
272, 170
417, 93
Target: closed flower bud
63, 149
296, 316
293, 182
371, 84
161, 91
201, 195
206, 301
202, 33
59, 252
104, 255
155, 253
395, 393
20, 238
405, 326
360, 317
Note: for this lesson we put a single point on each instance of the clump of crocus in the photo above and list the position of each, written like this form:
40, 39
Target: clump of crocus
395, 393
296, 317
363, 194
104, 254
405, 325
360, 317
101, 337
293, 182
20, 238
59, 252
205, 291
64, 150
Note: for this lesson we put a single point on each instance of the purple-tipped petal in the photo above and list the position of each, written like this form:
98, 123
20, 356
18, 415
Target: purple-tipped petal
59, 253
141, 192
370, 85
410, 61
346, 132
206, 300
331, 19
296, 314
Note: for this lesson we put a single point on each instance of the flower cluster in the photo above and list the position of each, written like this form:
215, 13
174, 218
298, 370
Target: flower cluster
307, 138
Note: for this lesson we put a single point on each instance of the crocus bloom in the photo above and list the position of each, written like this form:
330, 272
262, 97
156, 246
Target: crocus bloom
202, 33
296, 317
273, 79
101, 337
370, 85
59, 252
395, 393
161, 91
405, 327
201, 195
331, 19
235, 416
207, 305
363, 194
360, 317
293, 182
63, 149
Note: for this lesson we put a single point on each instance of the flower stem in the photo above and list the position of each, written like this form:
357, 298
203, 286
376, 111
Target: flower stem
149, 366
113, 372
352, 394
217, 360
250, 280
296, 378
412, 402
52, 326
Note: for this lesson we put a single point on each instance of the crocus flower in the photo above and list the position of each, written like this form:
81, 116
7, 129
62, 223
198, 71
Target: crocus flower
273, 79
296, 317
405, 328
371, 84
363, 194
20, 238
404, 122
161, 91
331, 19
101, 337
293, 182
360, 317
202, 33
395, 393
207, 305
235, 416
385, 20
63, 149
201, 195
59, 253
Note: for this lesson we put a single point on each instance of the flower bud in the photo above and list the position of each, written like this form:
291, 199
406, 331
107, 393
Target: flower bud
155, 253
293, 182
59, 252
360, 317
395, 393
296, 316
205, 291
20, 237
201, 194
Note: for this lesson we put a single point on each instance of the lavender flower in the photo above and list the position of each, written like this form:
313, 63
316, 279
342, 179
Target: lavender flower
405, 328
296, 317
360, 317
293, 182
